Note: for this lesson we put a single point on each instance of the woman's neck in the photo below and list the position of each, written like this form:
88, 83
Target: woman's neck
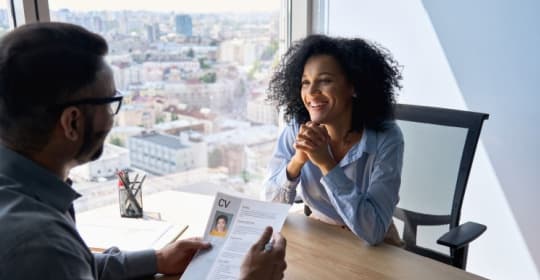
337, 132
339, 129
342, 137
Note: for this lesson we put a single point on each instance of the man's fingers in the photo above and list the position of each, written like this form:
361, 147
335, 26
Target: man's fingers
194, 243
278, 270
280, 243
265, 237
193, 239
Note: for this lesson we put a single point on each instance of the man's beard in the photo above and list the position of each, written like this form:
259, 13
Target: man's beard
91, 140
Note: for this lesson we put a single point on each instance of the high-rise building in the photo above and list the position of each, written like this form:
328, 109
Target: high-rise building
184, 25
152, 32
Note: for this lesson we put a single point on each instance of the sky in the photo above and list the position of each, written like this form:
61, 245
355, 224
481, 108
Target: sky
187, 6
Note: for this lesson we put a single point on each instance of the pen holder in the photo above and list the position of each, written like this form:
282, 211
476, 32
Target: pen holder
130, 196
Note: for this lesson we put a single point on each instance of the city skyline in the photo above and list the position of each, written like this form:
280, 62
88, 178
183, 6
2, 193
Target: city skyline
181, 6
198, 84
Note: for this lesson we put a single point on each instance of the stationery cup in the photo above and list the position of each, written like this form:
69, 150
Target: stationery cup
130, 199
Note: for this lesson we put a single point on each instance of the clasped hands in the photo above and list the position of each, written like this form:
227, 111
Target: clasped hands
312, 143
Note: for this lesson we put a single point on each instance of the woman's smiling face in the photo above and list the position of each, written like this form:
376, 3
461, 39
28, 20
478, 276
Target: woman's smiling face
326, 93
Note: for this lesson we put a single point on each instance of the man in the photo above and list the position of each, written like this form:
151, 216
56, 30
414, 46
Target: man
57, 102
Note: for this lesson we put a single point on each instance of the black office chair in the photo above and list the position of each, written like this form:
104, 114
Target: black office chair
439, 151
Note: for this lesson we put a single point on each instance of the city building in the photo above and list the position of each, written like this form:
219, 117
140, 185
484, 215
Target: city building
163, 154
152, 32
184, 124
114, 158
260, 111
136, 115
119, 135
184, 25
241, 147
242, 52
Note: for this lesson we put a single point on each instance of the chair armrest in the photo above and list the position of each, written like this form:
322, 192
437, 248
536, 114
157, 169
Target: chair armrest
462, 235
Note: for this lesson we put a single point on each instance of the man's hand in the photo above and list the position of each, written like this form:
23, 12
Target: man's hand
175, 257
261, 264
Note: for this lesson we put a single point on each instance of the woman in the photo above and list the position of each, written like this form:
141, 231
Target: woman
341, 152
220, 227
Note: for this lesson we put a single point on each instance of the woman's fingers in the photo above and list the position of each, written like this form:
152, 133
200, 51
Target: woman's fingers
313, 133
320, 130
312, 142
303, 146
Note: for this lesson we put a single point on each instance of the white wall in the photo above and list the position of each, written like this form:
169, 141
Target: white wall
405, 28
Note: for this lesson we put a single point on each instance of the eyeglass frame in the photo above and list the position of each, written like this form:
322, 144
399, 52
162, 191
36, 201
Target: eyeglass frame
118, 97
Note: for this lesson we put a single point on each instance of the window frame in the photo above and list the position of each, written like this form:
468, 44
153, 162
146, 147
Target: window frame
27, 11
302, 17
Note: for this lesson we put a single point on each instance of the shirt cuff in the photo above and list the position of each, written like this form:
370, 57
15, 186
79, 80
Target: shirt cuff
285, 183
141, 263
336, 181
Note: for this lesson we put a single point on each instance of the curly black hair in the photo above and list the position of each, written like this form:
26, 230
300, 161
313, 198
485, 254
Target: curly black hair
369, 67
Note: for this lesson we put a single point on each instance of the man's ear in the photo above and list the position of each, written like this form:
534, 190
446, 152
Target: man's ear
71, 122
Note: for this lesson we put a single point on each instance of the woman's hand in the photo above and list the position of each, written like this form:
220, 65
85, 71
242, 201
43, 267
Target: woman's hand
313, 139
300, 157
298, 160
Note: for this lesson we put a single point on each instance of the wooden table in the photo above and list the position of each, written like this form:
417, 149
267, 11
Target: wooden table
321, 251
314, 250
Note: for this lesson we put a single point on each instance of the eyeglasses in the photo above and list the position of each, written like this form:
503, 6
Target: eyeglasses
114, 102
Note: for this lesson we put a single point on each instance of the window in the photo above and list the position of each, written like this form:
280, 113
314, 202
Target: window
4, 19
195, 82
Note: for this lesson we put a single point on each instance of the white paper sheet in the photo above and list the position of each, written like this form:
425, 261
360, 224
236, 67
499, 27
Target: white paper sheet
245, 220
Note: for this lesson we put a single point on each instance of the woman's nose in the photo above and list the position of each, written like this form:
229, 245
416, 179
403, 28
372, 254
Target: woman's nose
314, 89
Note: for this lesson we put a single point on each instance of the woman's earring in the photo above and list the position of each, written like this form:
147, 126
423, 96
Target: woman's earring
354, 95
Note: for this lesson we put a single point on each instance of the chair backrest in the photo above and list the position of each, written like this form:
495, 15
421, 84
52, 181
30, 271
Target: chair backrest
439, 151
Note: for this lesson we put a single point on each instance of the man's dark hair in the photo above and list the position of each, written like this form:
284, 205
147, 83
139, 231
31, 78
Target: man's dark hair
370, 68
43, 64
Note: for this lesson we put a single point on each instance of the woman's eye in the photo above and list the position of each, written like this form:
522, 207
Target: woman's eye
304, 83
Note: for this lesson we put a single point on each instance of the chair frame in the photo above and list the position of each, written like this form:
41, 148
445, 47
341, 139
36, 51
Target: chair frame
459, 236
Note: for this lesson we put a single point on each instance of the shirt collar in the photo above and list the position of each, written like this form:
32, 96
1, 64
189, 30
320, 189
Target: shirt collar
34, 180
370, 141
367, 144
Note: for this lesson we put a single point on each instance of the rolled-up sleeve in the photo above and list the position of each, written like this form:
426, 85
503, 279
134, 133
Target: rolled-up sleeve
278, 187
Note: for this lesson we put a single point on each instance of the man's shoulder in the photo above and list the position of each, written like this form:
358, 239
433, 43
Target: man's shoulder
44, 253
27, 222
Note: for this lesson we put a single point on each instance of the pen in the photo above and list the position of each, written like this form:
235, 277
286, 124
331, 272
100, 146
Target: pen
178, 235
131, 197
140, 185
268, 246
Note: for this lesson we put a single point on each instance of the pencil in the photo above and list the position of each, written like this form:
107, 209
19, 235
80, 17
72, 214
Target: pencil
178, 235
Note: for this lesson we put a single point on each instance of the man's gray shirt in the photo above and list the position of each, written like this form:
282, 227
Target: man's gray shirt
38, 238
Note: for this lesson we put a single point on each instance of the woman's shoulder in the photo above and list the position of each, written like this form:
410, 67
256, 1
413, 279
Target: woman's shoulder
292, 126
389, 133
